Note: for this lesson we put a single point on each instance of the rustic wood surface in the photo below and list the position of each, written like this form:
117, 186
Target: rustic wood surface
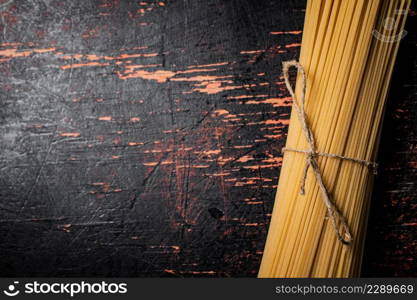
143, 138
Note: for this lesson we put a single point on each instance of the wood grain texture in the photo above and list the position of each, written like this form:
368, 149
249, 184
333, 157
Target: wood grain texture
143, 138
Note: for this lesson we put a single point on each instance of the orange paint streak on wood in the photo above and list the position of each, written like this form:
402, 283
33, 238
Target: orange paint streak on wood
242, 146
10, 44
74, 56
251, 224
130, 68
44, 50
246, 96
90, 64
219, 174
105, 118
70, 134
202, 78
159, 76
13, 52
273, 136
124, 56
270, 122
285, 101
214, 87
293, 45
195, 71
221, 112
252, 51
135, 143
208, 65
285, 32
245, 158
256, 167
208, 152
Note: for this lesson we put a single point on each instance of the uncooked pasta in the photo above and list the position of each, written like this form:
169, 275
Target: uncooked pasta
348, 53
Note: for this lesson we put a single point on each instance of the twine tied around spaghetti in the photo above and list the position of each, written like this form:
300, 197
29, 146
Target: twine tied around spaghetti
343, 231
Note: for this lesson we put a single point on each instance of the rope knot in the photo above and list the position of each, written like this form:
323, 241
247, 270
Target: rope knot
339, 222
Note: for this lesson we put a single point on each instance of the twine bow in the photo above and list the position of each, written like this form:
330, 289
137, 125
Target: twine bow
342, 231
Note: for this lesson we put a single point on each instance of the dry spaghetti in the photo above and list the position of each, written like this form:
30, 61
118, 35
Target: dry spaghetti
348, 55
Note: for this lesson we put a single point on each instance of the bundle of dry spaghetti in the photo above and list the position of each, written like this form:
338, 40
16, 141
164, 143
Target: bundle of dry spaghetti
319, 218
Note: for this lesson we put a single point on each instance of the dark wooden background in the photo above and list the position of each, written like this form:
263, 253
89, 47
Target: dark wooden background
143, 138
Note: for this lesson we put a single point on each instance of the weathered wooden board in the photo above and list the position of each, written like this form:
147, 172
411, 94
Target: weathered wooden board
143, 138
